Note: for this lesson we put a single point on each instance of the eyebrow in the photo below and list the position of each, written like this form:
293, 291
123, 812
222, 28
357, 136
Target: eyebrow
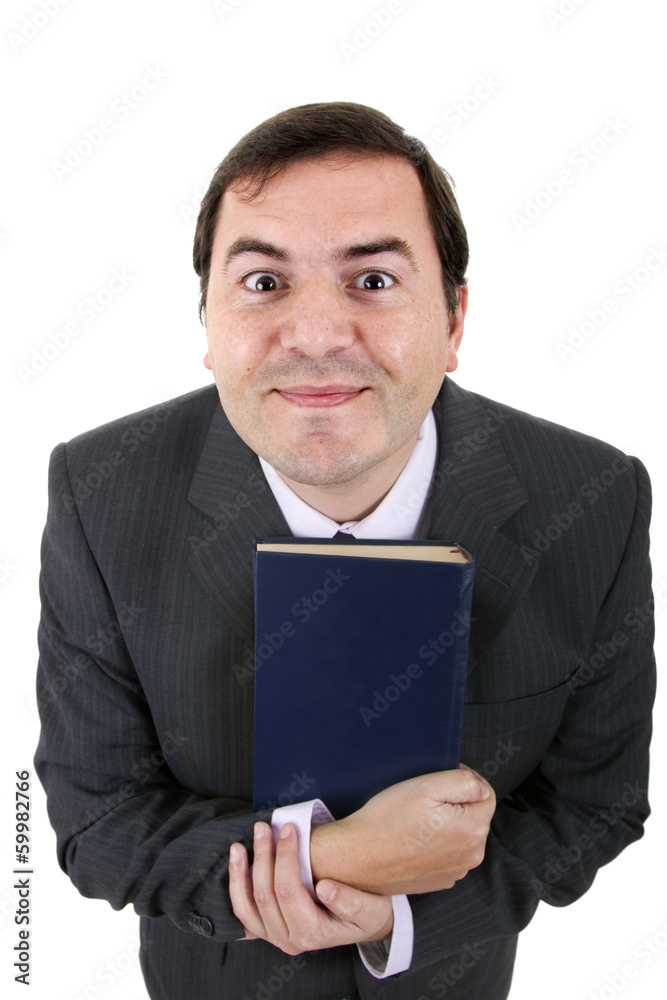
391, 244
248, 244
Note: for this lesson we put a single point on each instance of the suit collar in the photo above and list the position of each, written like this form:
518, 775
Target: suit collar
230, 489
475, 491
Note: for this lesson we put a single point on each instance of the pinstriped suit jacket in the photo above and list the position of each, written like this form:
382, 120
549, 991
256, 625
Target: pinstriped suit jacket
147, 626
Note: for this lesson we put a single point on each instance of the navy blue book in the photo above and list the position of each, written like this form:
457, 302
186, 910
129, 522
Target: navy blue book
360, 666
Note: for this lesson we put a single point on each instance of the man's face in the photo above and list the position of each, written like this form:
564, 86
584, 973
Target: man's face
327, 327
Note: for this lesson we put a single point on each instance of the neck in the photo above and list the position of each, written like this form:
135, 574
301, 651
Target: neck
355, 500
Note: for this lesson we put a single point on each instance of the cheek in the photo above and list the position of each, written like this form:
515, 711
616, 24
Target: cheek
235, 348
420, 346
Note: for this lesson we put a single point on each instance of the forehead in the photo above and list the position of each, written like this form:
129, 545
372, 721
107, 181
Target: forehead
329, 198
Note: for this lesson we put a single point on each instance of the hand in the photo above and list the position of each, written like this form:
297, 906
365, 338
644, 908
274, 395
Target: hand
275, 906
419, 835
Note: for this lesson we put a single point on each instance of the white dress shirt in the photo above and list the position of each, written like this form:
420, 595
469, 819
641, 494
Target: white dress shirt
399, 516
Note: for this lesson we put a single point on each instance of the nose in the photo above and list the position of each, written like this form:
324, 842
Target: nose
319, 320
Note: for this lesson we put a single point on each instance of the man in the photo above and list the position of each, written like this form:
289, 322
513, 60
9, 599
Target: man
332, 261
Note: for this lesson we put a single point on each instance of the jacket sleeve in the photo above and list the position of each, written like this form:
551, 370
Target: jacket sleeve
127, 832
587, 800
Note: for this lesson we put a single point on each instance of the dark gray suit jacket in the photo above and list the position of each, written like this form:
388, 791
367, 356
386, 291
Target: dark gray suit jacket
146, 705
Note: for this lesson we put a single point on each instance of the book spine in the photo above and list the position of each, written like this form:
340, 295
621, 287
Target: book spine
460, 665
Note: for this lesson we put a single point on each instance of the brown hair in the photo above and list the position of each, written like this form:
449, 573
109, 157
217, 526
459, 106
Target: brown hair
315, 130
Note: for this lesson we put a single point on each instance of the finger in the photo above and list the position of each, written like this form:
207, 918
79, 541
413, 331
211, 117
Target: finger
264, 894
241, 893
299, 912
370, 913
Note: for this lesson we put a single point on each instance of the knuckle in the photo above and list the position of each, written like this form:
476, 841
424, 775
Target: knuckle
483, 831
469, 783
350, 907
291, 948
470, 839
285, 891
472, 780
301, 942
477, 857
262, 895
477, 830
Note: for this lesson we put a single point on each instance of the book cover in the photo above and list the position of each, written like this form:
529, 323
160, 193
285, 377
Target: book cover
360, 666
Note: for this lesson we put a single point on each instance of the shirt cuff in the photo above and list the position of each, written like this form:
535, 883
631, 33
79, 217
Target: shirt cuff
381, 958
394, 953
304, 816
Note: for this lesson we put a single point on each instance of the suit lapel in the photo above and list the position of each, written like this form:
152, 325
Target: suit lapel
475, 491
230, 489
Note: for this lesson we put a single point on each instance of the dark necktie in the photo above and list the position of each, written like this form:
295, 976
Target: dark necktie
343, 534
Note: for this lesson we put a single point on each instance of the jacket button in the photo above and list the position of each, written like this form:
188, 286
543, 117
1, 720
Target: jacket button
200, 924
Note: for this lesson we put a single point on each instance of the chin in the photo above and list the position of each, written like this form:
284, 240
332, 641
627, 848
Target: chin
320, 470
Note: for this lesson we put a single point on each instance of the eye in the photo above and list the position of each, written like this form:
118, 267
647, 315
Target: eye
262, 281
373, 281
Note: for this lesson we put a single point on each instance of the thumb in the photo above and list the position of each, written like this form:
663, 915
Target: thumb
373, 914
344, 901
328, 892
463, 785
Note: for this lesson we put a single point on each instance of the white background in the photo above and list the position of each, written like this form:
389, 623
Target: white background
131, 204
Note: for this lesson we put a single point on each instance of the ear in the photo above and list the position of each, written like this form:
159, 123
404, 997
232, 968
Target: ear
207, 362
456, 329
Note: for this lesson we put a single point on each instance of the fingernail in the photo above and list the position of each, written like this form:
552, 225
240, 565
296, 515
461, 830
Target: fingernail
234, 854
326, 891
260, 829
285, 831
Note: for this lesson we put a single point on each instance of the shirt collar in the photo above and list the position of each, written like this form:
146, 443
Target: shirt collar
399, 515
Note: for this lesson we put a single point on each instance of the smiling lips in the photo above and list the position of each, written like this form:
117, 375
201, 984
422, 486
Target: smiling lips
319, 395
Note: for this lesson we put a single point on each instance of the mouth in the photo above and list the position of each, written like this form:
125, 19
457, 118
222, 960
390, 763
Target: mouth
320, 395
